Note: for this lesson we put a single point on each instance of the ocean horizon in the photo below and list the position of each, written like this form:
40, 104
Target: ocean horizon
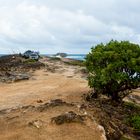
71, 56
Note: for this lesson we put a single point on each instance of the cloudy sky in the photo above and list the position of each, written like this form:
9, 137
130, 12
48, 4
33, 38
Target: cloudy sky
71, 26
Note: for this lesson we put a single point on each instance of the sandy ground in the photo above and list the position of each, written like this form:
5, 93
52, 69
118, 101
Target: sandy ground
56, 81
66, 84
43, 85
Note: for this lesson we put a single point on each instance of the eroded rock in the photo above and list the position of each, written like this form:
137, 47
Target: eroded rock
53, 103
68, 117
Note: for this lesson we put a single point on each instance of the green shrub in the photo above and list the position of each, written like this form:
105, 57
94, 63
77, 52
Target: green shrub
135, 122
76, 63
55, 58
29, 61
130, 105
114, 68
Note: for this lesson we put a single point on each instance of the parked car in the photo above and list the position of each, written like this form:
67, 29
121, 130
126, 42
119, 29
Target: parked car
27, 54
31, 55
34, 56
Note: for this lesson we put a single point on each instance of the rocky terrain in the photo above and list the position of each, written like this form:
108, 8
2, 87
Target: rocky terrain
15, 68
46, 106
51, 104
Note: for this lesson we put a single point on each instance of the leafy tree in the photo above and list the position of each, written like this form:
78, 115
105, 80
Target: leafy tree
114, 68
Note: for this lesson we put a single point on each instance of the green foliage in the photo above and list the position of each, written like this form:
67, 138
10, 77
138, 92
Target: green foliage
29, 61
131, 106
114, 68
55, 58
76, 63
134, 121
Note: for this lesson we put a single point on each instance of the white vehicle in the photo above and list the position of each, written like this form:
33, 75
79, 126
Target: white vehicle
34, 56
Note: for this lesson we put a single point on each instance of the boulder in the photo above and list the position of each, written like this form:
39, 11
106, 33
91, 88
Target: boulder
68, 117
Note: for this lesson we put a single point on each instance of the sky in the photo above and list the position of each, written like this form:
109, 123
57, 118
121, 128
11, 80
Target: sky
71, 26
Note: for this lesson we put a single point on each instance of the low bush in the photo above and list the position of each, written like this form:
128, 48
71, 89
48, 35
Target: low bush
55, 58
76, 63
131, 106
134, 121
28, 61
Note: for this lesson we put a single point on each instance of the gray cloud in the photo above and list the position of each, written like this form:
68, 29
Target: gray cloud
67, 25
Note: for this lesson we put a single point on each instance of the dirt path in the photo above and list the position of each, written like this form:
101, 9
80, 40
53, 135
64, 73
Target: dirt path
66, 83
43, 85
63, 83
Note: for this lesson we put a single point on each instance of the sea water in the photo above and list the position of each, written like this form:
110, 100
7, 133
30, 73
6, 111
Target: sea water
72, 56
76, 56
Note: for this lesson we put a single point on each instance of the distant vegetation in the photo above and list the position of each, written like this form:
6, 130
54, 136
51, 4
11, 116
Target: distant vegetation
29, 61
114, 69
55, 58
76, 63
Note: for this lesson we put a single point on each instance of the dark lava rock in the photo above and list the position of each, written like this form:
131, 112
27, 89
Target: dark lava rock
68, 117
53, 103
14, 77
61, 54
14, 68
18, 63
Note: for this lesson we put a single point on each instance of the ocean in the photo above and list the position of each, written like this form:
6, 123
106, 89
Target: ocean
76, 56
72, 56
